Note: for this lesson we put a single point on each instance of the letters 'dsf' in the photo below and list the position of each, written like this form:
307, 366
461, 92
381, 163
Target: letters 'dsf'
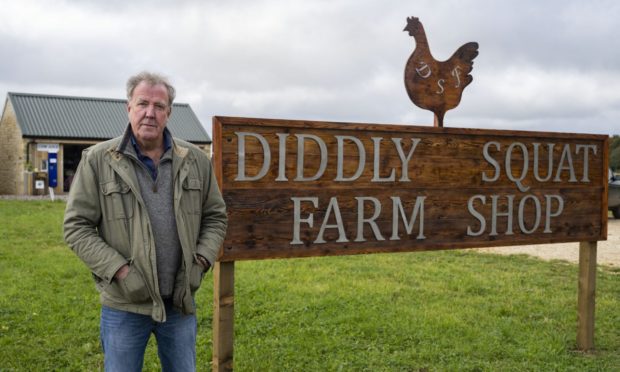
299, 188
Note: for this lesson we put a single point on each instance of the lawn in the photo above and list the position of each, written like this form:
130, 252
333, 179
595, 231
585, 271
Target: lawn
432, 311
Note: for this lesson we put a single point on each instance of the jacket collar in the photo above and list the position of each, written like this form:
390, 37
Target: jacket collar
180, 154
125, 143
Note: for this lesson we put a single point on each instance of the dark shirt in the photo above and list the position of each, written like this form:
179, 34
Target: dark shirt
148, 162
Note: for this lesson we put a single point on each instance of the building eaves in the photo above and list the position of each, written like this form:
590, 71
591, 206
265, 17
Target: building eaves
54, 116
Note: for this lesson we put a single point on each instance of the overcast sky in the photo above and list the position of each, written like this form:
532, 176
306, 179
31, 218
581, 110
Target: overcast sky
543, 65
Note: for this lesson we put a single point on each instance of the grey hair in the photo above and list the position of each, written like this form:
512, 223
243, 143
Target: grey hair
152, 79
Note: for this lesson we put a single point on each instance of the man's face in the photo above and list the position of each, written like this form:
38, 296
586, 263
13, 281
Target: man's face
148, 112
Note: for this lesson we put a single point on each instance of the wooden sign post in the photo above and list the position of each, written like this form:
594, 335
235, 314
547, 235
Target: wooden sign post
586, 296
307, 188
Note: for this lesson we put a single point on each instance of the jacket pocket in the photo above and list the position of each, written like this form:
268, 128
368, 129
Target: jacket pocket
100, 284
192, 195
195, 276
133, 288
118, 200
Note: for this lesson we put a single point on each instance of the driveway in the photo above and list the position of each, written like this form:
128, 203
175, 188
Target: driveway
608, 251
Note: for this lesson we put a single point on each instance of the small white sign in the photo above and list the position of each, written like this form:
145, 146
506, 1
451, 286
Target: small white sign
39, 184
48, 147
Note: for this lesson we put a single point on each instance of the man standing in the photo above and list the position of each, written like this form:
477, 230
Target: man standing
146, 216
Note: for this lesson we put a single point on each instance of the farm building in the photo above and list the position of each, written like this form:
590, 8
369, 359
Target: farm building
42, 137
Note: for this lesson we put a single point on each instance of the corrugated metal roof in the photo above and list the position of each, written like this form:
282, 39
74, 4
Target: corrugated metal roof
42, 115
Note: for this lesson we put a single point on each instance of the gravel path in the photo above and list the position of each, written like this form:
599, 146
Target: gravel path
608, 251
33, 197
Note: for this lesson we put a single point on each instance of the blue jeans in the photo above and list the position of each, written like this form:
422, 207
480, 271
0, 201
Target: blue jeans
124, 337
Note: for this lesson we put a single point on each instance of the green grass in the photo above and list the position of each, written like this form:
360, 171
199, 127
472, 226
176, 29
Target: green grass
435, 311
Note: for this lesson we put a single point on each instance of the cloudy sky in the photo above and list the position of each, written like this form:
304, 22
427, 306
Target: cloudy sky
543, 65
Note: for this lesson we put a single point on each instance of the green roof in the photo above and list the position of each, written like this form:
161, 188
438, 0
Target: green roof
40, 115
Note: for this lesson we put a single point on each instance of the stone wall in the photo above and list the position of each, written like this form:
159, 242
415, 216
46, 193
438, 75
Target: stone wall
11, 153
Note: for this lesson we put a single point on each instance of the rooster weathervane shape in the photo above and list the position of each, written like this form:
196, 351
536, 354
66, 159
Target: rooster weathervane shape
433, 85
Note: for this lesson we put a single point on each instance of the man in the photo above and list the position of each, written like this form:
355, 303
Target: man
146, 216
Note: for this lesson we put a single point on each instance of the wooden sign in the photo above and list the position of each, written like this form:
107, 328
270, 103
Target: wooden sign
302, 188
308, 188
436, 85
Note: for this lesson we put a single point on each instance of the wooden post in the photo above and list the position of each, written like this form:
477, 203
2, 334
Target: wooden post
223, 315
586, 296
438, 121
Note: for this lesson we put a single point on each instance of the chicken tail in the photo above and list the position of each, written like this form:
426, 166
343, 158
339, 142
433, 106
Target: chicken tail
465, 56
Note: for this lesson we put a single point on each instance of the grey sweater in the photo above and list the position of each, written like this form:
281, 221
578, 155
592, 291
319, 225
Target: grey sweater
158, 197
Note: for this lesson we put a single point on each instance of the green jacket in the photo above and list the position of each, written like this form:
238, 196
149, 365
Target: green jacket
106, 224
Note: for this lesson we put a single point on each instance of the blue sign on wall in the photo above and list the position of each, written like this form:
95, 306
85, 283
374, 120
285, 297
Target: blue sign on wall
52, 169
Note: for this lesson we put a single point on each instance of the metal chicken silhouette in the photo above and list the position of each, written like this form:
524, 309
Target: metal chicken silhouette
433, 85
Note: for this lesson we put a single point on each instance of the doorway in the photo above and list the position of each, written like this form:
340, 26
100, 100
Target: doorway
72, 154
